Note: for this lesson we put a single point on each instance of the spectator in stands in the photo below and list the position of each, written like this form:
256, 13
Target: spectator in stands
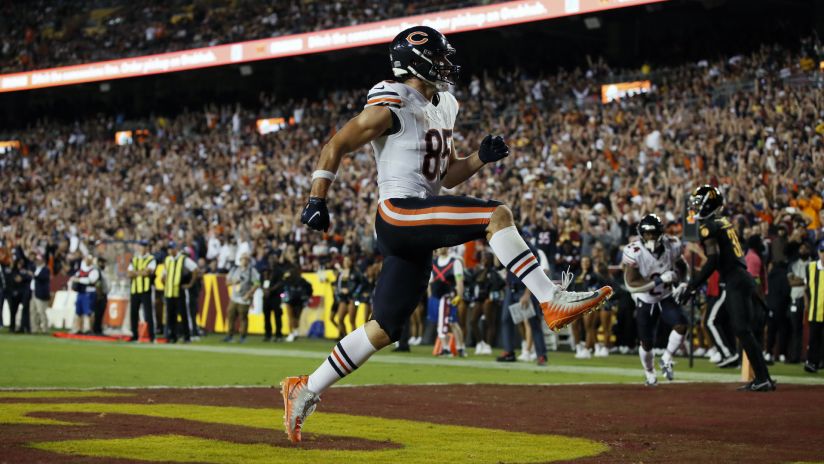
41, 287
244, 280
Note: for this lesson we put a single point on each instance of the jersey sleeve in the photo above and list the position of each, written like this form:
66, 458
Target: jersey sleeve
383, 94
631, 254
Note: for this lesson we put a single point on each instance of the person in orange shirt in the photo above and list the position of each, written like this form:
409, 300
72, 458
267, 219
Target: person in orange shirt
810, 204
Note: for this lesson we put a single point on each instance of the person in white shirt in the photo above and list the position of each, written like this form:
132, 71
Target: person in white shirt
83, 282
244, 280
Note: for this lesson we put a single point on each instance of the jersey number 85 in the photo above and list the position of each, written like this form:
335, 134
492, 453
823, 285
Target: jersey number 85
438, 149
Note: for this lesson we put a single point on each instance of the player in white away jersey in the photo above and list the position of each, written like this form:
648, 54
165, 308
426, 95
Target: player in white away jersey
409, 124
655, 273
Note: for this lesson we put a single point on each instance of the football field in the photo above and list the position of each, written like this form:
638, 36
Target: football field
78, 401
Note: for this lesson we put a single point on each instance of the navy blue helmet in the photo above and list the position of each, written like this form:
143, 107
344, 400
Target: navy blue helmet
424, 53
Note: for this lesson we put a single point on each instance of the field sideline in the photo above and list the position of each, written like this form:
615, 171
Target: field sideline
39, 361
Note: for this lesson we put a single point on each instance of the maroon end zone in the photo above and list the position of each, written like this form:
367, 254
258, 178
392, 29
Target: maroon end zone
672, 423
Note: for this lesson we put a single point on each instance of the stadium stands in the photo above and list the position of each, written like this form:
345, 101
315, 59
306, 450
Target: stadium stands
49, 33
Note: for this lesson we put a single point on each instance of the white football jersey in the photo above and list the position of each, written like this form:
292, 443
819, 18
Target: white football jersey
650, 266
412, 161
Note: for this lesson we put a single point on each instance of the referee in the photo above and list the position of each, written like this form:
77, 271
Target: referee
141, 269
814, 302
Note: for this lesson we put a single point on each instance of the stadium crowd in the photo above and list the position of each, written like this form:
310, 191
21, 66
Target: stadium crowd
581, 176
49, 33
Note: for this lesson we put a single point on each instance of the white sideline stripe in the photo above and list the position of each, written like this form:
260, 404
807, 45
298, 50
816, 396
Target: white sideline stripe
426, 216
394, 359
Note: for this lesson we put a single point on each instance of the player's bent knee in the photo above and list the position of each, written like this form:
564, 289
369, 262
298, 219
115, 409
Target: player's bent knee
647, 346
377, 335
501, 218
681, 329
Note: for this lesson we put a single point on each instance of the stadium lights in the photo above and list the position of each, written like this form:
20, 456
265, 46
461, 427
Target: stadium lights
592, 22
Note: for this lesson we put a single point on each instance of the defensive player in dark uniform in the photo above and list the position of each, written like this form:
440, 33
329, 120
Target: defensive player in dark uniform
724, 253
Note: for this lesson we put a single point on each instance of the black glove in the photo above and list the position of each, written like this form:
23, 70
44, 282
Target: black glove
493, 149
684, 297
315, 214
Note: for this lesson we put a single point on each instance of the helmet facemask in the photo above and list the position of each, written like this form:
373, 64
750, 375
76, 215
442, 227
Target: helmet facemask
434, 69
652, 241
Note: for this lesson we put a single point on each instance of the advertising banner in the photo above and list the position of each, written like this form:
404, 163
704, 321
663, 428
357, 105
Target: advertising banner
449, 21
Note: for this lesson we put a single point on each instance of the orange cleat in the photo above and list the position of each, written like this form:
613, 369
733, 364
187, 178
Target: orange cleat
298, 404
565, 307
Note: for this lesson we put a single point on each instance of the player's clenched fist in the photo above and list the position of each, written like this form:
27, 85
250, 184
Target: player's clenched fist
493, 149
315, 214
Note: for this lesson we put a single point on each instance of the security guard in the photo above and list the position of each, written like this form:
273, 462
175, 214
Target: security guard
140, 271
174, 292
814, 302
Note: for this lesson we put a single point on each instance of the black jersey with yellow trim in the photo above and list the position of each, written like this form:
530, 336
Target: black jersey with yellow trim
731, 254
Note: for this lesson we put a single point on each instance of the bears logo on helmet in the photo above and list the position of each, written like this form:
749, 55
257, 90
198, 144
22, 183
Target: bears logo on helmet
410, 38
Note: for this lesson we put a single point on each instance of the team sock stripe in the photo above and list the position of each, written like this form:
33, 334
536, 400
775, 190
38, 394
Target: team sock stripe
531, 268
524, 264
341, 374
517, 258
346, 357
341, 363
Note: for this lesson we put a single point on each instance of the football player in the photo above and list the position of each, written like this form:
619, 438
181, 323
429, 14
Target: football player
725, 254
410, 124
653, 265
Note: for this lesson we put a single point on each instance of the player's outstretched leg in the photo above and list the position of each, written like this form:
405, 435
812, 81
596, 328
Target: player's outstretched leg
676, 337
559, 306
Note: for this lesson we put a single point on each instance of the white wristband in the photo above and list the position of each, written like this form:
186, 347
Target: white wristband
321, 174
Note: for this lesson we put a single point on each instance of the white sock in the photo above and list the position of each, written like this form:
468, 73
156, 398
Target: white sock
646, 359
349, 354
512, 251
674, 342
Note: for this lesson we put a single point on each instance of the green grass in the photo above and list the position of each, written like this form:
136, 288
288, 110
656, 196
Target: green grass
37, 361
